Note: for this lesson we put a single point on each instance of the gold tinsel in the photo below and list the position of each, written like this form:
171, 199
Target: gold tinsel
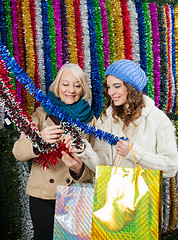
72, 44
173, 205
29, 47
118, 29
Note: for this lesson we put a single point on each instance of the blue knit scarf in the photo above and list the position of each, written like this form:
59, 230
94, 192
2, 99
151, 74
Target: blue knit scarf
79, 110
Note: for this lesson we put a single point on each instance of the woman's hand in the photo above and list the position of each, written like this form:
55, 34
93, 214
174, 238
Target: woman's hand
51, 134
72, 161
72, 149
122, 148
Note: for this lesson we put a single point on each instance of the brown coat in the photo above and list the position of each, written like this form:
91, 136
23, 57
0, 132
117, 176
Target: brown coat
42, 183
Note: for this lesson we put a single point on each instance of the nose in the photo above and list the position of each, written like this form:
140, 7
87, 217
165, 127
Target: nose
71, 88
111, 91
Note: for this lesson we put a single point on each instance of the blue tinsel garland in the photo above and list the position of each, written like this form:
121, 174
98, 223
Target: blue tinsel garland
97, 97
55, 110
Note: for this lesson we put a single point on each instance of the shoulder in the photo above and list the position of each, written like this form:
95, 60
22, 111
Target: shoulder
92, 122
39, 115
156, 114
105, 121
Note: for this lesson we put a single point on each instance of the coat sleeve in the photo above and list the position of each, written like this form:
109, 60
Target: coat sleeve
166, 156
87, 174
23, 148
99, 154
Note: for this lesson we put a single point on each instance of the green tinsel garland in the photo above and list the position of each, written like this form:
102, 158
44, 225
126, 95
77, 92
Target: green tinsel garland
52, 34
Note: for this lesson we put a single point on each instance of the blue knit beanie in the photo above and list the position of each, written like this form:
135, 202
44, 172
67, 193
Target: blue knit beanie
128, 72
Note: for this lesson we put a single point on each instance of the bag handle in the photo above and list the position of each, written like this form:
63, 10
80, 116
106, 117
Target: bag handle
133, 155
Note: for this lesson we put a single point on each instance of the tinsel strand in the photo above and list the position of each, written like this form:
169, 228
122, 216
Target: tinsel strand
97, 98
134, 31
86, 45
52, 35
165, 204
30, 56
46, 44
173, 205
72, 44
21, 50
33, 24
142, 37
174, 58
118, 29
150, 84
105, 30
176, 50
99, 38
57, 19
15, 44
64, 32
163, 60
169, 60
78, 30
156, 51
127, 30
110, 31
39, 44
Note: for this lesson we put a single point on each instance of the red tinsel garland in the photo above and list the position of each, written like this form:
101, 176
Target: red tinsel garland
127, 30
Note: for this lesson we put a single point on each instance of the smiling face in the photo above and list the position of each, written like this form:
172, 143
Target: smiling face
117, 90
70, 89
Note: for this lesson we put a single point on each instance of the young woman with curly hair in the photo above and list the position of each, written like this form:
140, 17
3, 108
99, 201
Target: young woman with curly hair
131, 114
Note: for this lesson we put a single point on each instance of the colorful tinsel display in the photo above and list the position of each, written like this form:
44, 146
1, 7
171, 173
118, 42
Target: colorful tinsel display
49, 41
42, 35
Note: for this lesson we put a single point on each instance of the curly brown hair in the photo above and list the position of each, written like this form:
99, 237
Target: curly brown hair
130, 114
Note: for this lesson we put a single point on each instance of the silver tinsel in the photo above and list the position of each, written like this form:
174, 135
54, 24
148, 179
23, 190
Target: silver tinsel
165, 204
86, 44
134, 30
26, 223
39, 44
2, 115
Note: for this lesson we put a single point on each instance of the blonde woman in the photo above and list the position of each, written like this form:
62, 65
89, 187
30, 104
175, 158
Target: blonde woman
70, 92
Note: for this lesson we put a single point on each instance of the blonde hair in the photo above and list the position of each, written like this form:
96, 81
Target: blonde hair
78, 73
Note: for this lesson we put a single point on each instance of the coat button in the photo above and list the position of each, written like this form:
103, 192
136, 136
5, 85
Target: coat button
51, 180
67, 180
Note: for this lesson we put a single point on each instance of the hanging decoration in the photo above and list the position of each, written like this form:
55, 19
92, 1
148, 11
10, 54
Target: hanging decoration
156, 51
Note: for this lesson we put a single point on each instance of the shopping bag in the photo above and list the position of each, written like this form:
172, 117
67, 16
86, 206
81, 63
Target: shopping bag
127, 203
73, 211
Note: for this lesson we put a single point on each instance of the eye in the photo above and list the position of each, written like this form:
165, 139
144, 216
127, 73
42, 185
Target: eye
65, 83
77, 85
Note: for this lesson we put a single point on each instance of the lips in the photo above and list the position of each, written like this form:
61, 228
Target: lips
70, 96
115, 99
